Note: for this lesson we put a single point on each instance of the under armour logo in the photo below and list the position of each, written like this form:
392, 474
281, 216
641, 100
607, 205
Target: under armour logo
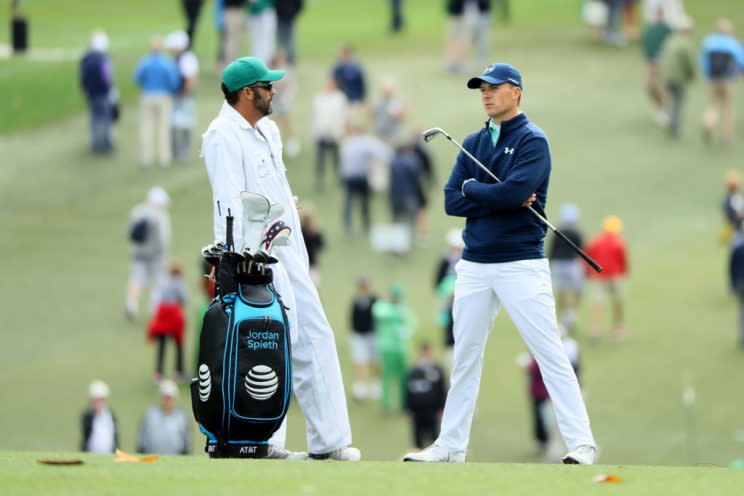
509, 151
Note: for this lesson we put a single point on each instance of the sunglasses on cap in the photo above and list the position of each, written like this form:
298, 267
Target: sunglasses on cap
267, 85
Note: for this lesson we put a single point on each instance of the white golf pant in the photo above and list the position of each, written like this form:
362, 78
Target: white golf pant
524, 289
316, 372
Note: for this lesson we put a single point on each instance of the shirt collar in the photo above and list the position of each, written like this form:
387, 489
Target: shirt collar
229, 112
509, 124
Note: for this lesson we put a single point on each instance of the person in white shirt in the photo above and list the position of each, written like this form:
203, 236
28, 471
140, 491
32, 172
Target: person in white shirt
165, 429
100, 434
242, 151
329, 118
183, 118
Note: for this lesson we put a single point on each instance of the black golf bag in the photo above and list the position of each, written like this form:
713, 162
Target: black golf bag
244, 383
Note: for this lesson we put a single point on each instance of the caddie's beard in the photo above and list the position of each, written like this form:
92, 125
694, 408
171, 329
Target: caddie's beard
262, 104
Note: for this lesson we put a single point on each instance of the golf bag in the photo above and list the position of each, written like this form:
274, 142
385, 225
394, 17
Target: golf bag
244, 383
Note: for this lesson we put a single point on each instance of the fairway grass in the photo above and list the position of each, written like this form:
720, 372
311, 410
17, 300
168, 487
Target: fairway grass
20, 474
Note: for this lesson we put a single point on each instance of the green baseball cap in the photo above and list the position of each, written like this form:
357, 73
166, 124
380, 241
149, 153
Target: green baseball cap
247, 71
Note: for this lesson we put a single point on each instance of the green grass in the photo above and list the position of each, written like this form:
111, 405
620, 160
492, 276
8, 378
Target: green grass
65, 258
21, 475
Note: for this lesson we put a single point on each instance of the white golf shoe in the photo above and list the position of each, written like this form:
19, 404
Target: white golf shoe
347, 454
583, 455
277, 453
435, 453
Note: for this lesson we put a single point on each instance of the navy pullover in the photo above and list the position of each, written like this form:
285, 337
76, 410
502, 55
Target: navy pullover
498, 228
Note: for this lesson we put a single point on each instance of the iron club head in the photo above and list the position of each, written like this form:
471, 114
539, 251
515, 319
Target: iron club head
432, 133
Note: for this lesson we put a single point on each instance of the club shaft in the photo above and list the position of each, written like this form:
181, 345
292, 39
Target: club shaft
542, 219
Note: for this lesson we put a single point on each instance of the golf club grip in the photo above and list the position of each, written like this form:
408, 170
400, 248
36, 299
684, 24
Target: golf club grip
578, 250
229, 232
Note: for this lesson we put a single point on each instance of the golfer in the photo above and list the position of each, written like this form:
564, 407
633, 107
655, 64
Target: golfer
242, 150
503, 264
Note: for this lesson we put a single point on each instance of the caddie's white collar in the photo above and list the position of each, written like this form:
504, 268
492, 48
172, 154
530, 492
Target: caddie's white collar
229, 112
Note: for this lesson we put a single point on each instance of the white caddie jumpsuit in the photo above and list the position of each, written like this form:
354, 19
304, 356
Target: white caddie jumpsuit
239, 158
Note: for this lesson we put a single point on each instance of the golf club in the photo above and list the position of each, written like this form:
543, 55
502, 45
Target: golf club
432, 133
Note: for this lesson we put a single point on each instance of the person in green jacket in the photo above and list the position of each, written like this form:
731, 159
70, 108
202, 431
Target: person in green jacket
678, 70
394, 324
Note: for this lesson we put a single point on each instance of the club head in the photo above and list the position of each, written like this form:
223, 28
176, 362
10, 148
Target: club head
432, 133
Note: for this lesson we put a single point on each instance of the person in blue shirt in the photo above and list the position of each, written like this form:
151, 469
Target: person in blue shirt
504, 264
158, 78
349, 76
721, 62
97, 83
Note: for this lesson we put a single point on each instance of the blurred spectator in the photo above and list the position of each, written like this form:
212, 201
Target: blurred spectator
566, 268
219, 26
183, 118
313, 237
544, 423
191, 8
207, 286
169, 320
733, 205
389, 112
165, 429
678, 70
149, 243
444, 285
672, 10
357, 151
396, 15
394, 324
426, 392
158, 78
404, 191
428, 180
721, 61
653, 41
595, 14
613, 33
349, 77
286, 16
234, 19
736, 278
97, 83
608, 250
283, 103
262, 27
363, 342
630, 20
100, 434
329, 120
469, 20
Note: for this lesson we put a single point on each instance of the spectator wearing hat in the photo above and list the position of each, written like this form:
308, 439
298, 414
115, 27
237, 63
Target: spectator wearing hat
609, 250
97, 83
158, 78
149, 247
721, 62
394, 324
678, 70
183, 118
165, 428
362, 339
566, 268
100, 433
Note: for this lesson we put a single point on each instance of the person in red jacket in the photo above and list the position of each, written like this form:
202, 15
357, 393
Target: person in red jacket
610, 251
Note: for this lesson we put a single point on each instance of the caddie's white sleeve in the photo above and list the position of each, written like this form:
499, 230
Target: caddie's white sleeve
224, 162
